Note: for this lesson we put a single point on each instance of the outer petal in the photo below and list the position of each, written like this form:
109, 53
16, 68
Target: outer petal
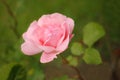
29, 48
71, 24
43, 20
29, 34
66, 32
32, 27
47, 57
71, 36
58, 18
63, 45
55, 18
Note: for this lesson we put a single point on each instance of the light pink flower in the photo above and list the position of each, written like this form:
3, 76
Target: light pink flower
51, 35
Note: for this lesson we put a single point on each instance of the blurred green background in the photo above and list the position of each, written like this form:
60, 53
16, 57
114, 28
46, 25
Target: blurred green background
16, 15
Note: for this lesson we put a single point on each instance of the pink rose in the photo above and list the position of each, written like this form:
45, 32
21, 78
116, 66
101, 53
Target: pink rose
51, 35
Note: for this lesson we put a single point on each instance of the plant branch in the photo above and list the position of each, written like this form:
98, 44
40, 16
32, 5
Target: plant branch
80, 77
110, 50
114, 69
14, 27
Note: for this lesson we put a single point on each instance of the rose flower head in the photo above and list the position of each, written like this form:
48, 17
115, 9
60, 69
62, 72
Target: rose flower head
50, 35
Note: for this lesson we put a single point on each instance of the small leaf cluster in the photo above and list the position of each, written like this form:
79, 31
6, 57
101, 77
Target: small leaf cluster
92, 32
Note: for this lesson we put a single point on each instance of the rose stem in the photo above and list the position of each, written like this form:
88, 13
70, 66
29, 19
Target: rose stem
13, 28
80, 77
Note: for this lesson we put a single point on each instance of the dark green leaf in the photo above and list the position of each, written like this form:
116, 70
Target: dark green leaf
6, 70
12, 71
17, 73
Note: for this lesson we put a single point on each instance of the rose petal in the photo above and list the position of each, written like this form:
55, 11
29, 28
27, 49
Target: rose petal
29, 48
47, 57
32, 27
43, 20
71, 24
29, 34
63, 36
47, 48
66, 32
58, 18
65, 42
55, 18
71, 36
63, 45
50, 35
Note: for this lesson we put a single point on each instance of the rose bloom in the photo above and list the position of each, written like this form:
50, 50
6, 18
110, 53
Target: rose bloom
51, 35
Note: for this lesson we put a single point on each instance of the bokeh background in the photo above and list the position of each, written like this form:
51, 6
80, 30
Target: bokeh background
15, 17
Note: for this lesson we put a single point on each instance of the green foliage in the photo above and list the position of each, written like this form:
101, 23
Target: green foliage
92, 56
17, 73
73, 61
35, 74
6, 70
77, 49
12, 71
92, 32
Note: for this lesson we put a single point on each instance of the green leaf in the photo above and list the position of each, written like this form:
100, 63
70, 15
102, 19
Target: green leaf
17, 73
77, 49
73, 61
92, 32
12, 71
92, 56
6, 70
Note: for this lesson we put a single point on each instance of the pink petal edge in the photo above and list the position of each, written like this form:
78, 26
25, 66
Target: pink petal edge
29, 48
71, 24
64, 45
47, 57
